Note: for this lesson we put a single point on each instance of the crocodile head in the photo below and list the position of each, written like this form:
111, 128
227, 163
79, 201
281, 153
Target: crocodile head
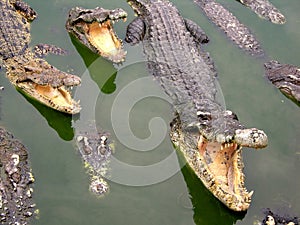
286, 78
43, 82
94, 29
216, 158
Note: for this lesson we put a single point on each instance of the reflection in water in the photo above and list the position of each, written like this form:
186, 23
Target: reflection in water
207, 209
59, 121
104, 78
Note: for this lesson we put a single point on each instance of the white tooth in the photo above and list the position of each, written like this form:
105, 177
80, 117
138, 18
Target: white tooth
250, 194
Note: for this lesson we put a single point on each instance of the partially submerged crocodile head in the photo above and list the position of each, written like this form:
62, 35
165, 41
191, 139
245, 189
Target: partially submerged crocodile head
286, 78
216, 157
94, 29
43, 82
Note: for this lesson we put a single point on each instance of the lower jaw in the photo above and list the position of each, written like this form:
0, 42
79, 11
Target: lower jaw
56, 98
105, 41
222, 173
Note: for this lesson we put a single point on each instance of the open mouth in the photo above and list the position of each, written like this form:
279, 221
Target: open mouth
58, 98
224, 164
104, 39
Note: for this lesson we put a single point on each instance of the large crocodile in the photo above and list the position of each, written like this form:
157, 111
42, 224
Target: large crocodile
94, 29
209, 136
30, 74
16, 204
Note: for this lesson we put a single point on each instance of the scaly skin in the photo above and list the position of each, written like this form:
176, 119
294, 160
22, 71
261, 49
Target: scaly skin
272, 218
286, 78
231, 26
94, 29
265, 9
95, 150
209, 136
30, 74
16, 205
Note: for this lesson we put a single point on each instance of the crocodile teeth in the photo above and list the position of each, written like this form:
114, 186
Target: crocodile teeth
250, 194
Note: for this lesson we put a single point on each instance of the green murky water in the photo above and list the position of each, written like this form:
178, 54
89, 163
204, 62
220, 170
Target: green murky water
150, 189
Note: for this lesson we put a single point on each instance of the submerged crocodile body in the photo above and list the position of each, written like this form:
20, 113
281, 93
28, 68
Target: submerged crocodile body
16, 204
286, 78
209, 136
94, 29
95, 150
233, 28
29, 73
264, 9
283, 76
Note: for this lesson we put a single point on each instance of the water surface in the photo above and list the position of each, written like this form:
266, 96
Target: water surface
174, 196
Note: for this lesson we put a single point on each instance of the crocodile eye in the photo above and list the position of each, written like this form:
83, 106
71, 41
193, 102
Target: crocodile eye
231, 114
204, 115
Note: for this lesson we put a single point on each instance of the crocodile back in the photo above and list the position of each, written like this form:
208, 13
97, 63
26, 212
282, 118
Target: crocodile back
14, 31
175, 60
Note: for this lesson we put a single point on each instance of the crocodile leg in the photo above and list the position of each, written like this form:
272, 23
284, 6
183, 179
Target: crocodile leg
135, 31
196, 31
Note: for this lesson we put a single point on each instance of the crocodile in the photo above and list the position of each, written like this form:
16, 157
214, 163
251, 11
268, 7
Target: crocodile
231, 26
272, 218
16, 181
265, 9
30, 74
209, 136
286, 78
283, 76
95, 149
94, 29
234, 29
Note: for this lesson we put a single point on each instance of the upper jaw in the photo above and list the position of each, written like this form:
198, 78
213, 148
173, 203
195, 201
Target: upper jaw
97, 14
